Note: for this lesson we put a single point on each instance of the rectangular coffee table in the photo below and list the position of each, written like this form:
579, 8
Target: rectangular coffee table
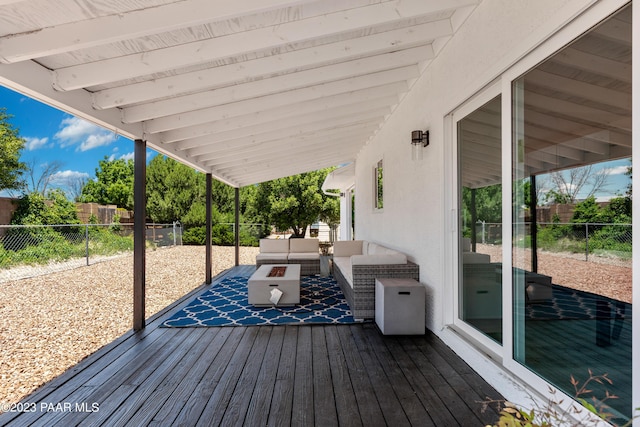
284, 277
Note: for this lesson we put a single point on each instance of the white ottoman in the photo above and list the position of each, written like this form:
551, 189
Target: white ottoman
400, 306
260, 285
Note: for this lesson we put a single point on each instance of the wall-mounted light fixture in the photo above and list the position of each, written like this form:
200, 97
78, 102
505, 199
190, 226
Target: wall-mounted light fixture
419, 140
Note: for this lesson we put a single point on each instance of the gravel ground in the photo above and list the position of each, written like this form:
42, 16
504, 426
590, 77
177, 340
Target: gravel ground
49, 323
610, 277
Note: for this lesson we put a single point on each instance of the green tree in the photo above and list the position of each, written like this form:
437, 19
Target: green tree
587, 211
11, 168
34, 209
113, 184
172, 188
617, 211
293, 202
488, 203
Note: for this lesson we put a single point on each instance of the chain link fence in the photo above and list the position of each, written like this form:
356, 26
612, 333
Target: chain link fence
29, 251
606, 240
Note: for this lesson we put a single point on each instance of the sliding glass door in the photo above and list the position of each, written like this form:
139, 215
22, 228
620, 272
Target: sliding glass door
480, 235
571, 231
558, 297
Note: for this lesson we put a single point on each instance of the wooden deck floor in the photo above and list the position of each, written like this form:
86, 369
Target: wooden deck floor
348, 375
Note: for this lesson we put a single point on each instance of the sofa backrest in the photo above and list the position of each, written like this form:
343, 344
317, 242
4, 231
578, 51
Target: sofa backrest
274, 246
346, 248
304, 245
375, 249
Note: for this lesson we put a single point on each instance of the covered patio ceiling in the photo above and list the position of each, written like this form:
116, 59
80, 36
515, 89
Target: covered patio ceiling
247, 90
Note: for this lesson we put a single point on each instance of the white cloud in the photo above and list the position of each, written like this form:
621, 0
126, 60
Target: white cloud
64, 177
128, 156
618, 170
97, 140
35, 143
125, 157
84, 135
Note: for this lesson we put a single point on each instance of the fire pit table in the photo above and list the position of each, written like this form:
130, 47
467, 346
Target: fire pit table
282, 277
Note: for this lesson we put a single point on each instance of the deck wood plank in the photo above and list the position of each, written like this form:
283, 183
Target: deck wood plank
238, 405
219, 400
323, 394
315, 375
368, 406
413, 407
388, 401
261, 399
122, 406
413, 361
453, 401
345, 396
191, 413
302, 413
159, 396
282, 400
179, 399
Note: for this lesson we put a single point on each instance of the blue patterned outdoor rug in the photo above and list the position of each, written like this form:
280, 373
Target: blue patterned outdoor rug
226, 304
570, 304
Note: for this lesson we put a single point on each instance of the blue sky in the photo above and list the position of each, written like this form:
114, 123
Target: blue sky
53, 135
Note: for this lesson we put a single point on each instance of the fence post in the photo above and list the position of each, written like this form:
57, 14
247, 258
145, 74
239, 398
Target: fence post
86, 238
586, 237
174, 233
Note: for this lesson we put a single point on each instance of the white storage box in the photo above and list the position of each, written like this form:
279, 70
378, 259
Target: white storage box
400, 306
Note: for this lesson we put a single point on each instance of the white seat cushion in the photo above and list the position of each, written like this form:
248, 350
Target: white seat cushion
273, 256
304, 255
304, 245
344, 264
346, 248
274, 245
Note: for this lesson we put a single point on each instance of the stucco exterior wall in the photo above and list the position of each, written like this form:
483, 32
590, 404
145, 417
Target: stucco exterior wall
415, 219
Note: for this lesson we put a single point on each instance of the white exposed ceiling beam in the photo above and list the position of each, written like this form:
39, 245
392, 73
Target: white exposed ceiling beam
136, 93
591, 63
184, 55
289, 112
386, 81
272, 174
289, 132
351, 138
335, 146
563, 127
386, 94
580, 89
128, 25
296, 60
320, 121
361, 131
568, 108
270, 169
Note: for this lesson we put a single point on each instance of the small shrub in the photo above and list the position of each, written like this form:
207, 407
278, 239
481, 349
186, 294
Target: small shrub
194, 236
550, 414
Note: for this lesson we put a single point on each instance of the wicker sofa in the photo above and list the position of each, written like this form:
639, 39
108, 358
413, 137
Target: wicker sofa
305, 252
357, 264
